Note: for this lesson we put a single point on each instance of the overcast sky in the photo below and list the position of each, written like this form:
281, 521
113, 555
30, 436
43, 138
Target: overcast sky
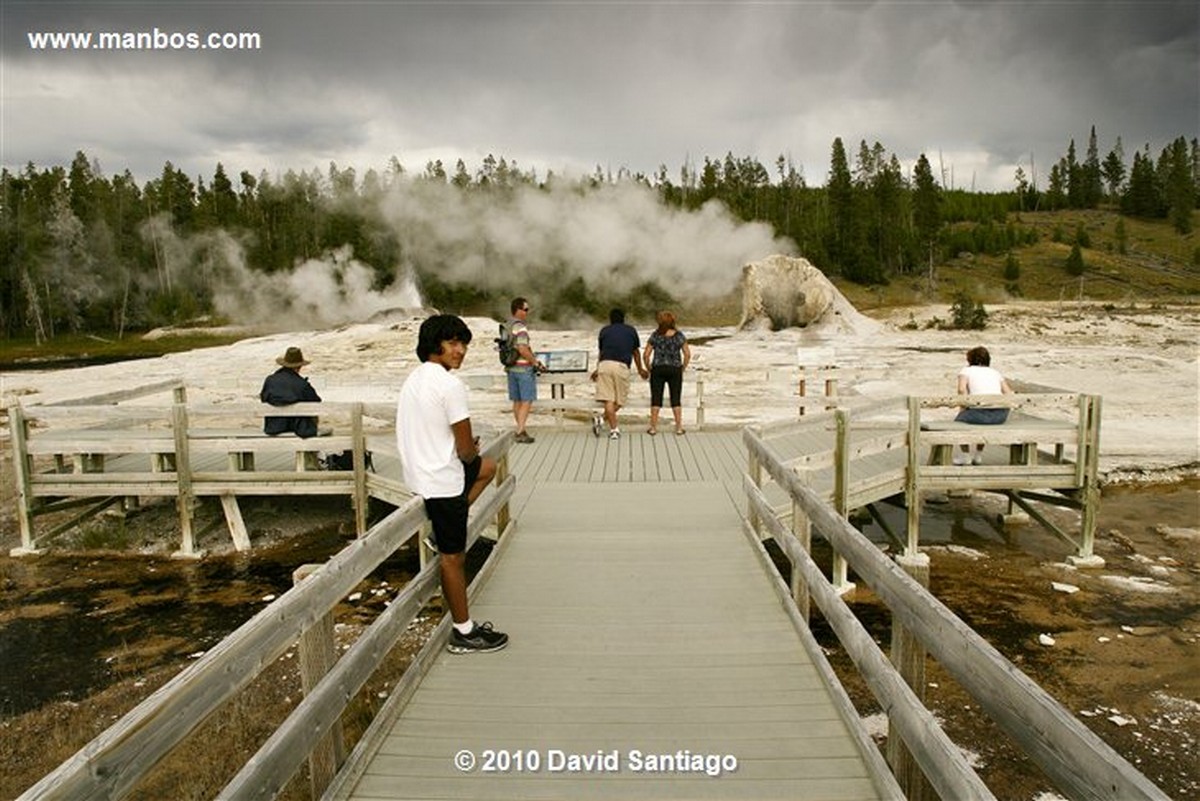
567, 86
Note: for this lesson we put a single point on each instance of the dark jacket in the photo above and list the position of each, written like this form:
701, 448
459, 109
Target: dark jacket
282, 388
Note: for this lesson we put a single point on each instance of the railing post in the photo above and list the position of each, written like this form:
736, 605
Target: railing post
754, 470
831, 393
1088, 454
802, 528
361, 500
183, 478
318, 653
912, 479
699, 403
18, 428
502, 514
802, 389
841, 477
908, 656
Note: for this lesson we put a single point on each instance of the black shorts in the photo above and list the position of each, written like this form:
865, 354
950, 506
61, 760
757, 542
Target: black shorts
449, 515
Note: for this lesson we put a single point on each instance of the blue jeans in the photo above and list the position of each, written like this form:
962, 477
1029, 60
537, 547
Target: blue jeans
522, 384
982, 417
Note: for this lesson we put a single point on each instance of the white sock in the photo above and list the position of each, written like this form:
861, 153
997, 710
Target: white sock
465, 628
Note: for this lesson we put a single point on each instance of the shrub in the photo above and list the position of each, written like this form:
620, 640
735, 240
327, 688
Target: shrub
1012, 268
1075, 265
967, 314
1012, 274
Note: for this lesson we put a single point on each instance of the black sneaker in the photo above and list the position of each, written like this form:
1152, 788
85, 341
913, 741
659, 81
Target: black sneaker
596, 425
523, 437
481, 640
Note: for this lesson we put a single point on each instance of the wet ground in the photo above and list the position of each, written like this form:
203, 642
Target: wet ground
72, 625
1125, 645
1121, 651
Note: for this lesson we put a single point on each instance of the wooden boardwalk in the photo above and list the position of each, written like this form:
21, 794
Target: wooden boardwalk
655, 651
643, 621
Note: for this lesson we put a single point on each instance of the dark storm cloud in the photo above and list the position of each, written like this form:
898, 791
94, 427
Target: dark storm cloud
985, 85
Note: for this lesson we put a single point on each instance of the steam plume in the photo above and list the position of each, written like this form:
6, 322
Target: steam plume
612, 236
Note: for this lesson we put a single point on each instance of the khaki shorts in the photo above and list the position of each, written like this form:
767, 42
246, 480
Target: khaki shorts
612, 382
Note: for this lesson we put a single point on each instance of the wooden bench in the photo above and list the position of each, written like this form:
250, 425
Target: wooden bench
1023, 433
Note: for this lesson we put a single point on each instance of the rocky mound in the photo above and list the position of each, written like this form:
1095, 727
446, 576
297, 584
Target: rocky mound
781, 292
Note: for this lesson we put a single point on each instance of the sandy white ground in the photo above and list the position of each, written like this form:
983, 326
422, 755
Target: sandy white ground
1143, 361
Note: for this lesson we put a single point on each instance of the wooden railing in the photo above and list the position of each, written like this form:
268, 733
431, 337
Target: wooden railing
1050, 442
70, 455
1074, 758
112, 764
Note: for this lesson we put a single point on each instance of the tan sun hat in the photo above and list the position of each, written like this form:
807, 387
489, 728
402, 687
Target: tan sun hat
293, 358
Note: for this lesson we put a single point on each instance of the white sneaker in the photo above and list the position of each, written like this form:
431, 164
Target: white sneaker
977, 458
614, 434
961, 458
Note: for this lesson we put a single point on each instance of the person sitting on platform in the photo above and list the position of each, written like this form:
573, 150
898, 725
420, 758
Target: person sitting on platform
980, 378
284, 387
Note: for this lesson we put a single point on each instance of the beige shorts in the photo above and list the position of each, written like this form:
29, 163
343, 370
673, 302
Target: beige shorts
612, 382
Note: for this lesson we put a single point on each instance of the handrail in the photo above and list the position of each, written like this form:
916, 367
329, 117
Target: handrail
173, 384
939, 758
1010, 401
111, 764
270, 769
168, 433
1067, 751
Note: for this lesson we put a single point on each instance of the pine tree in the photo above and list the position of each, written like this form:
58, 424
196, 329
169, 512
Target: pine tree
927, 212
1074, 178
1113, 170
1142, 196
1075, 265
1093, 186
1180, 188
839, 194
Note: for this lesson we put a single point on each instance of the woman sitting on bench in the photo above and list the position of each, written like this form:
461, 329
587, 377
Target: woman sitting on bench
980, 378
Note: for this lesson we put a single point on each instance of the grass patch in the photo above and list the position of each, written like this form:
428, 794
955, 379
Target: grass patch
99, 349
1158, 264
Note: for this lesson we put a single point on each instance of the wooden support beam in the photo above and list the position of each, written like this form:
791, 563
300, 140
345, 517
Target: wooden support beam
909, 657
233, 518
912, 480
18, 428
841, 486
360, 500
318, 653
802, 530
183, 479
1090, 489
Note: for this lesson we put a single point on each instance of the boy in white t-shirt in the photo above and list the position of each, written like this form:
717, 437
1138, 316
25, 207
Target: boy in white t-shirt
442, 464
980, 378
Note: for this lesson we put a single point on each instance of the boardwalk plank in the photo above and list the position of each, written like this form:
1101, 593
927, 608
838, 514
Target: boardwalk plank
566, 786
750, 748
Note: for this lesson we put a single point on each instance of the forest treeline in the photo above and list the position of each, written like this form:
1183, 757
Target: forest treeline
84, 252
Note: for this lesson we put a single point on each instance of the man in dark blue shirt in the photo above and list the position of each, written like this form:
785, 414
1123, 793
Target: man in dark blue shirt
619, 345
284, 387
